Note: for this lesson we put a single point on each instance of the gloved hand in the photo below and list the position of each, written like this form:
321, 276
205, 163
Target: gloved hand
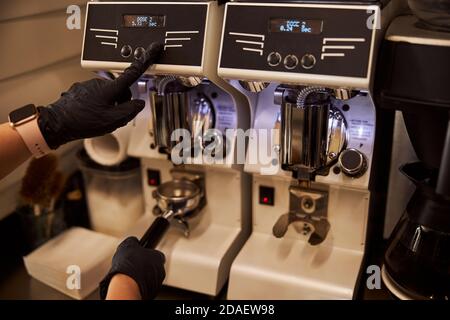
145, 266
95, 107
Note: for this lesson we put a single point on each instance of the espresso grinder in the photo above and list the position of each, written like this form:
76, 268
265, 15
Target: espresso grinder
308, 78
197, 199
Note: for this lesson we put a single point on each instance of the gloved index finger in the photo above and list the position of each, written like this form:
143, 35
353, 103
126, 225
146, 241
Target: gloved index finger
139, 66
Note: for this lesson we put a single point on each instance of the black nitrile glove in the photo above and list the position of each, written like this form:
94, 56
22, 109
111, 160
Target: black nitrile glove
95, 107
145, 266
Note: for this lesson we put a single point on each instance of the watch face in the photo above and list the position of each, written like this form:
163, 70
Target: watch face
23, 113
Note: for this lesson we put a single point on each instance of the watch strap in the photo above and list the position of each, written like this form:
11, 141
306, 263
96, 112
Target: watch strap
33, 138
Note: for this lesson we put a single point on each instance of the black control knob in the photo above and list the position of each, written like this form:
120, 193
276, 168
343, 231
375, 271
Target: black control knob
308, 61
274, 59
126, 51
353, 163
139, 53
290, 61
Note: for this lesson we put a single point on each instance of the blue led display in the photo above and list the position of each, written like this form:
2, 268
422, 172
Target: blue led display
143, 21
295, 25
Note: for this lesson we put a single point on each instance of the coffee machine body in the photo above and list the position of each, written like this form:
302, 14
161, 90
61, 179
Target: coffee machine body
414, 81
308, 79
181, 92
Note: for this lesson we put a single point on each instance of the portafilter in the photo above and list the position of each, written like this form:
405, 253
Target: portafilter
175, 198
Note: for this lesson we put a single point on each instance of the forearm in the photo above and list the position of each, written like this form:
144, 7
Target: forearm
13, 151
122, 287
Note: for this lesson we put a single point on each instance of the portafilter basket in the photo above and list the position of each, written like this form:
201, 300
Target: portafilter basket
175, 198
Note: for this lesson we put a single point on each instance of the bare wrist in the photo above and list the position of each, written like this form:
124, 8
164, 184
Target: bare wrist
123, 287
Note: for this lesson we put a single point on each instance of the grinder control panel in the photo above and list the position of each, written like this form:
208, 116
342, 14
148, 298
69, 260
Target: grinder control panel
116, 33
306, 40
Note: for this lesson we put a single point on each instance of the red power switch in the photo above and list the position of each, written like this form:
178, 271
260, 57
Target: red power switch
266, 195
153, 177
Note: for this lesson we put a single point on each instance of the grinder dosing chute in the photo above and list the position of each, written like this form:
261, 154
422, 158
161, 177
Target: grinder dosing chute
313, 132
176, 106
168, 102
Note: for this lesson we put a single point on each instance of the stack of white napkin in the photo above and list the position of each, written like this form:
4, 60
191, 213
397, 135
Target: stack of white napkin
74, 262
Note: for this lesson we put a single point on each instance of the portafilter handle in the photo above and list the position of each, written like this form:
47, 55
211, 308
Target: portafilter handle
156, 231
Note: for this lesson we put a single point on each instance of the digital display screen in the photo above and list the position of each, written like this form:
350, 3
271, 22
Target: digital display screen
295, 25
143, 21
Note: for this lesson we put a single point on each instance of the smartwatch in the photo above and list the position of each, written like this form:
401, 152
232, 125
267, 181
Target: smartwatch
25, 121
